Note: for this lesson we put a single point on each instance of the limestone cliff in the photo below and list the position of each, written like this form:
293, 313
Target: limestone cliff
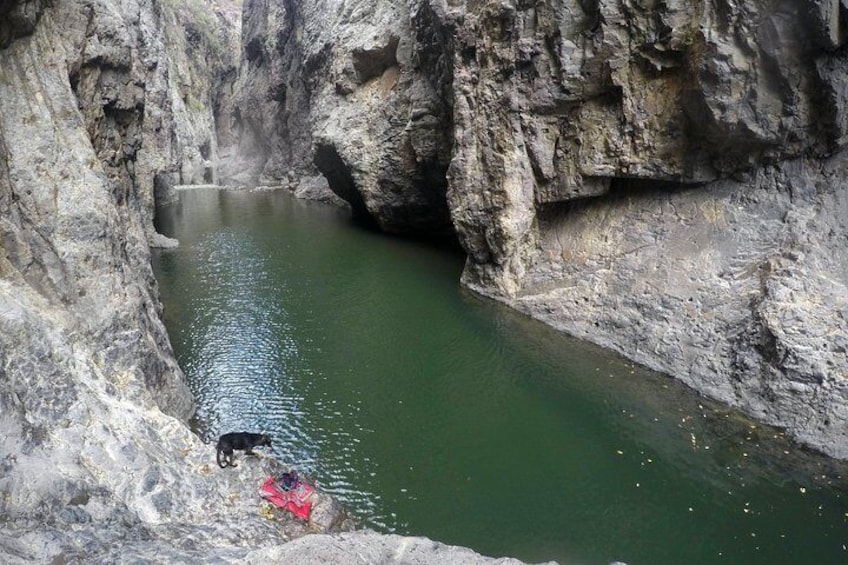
665, 178
96, 457
668, 182
346, 95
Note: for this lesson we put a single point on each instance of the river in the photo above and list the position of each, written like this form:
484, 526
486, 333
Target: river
430, 411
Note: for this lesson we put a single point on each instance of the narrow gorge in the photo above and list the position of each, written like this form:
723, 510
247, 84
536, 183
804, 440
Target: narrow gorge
666, 179
104, 107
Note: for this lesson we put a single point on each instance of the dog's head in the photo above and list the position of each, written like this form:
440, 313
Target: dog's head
265, 440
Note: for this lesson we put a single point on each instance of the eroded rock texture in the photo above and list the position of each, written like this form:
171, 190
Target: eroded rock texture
665, 179
103, 107
344, 89
97, 463
661, 177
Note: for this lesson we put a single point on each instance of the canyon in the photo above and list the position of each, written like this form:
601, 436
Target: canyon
663, 178
104, 107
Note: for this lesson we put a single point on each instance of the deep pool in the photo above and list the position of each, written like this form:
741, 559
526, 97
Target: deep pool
429, 411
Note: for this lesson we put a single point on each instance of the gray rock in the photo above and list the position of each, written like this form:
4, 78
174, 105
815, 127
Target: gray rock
369, 547
663, 180
160, 241
342, 92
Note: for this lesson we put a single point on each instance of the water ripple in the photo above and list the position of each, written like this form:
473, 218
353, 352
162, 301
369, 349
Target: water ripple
421, 407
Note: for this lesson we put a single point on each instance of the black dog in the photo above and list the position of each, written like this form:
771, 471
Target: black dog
238, 440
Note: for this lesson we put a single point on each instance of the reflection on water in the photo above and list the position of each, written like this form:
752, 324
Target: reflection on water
430, 411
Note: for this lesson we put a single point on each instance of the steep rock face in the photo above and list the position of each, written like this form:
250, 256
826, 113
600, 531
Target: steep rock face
74, 230
201, 42
654, 177
345, 88
270, 100
581, 95
663, 178
97, 463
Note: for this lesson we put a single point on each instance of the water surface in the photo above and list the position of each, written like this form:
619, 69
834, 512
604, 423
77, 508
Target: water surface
429, 411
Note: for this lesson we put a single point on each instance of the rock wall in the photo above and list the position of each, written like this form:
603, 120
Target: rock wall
341, 88
666, 179
663, 178
97, 463
201, 40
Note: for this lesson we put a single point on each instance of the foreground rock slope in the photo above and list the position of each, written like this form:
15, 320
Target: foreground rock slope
666, 179
97, 462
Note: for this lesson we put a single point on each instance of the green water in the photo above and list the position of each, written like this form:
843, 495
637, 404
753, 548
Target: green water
429, 411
